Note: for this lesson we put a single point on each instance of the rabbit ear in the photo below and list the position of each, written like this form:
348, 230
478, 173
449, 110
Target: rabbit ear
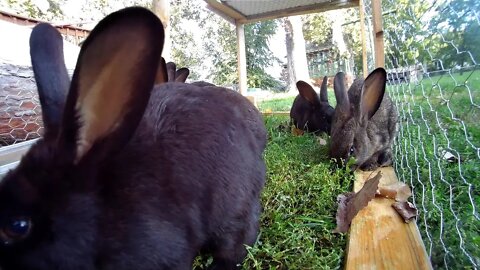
171, 68
307, 92
111, 84
341, 94
372, 92
46, 52
323, 90
161, 76
182, 74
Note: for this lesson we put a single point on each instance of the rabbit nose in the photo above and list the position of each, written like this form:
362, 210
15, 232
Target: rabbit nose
353, 167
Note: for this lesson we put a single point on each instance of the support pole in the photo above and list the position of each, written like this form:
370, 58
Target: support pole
363, 37
242, 59
378, 33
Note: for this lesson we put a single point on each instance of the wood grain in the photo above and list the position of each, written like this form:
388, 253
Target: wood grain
379, 239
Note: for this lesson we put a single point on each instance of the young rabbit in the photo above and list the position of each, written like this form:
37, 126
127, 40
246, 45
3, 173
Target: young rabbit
365, 122
310, 112
131, 176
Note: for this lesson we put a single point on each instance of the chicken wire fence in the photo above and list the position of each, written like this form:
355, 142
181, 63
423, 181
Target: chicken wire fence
20, 112
432, 58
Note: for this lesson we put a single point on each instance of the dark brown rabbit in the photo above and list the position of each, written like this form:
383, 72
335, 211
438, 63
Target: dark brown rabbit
130, 177
365, 122
311, 112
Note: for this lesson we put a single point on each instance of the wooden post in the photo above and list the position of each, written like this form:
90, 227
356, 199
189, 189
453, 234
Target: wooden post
379, 238
363, 37
378, 33
242, 59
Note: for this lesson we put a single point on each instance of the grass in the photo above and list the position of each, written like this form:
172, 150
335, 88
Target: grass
299, 202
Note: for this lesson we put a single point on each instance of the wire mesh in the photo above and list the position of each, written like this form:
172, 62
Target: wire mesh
20, 112
432, 60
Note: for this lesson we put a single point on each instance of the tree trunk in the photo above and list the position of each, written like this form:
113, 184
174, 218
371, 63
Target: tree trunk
296, 54
162, 9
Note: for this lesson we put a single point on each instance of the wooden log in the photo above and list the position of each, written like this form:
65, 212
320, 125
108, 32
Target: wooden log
363, 38
379, 238
241, 59
378, 33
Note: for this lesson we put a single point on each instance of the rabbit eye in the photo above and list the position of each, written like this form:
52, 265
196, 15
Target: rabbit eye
352, 150
17, 229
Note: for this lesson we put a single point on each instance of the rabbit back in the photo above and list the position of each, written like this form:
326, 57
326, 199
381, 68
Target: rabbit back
197, 161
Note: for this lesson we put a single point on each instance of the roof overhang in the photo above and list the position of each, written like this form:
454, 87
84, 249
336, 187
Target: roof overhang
248, 11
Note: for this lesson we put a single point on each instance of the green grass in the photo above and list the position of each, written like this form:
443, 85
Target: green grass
299, 203
280, 104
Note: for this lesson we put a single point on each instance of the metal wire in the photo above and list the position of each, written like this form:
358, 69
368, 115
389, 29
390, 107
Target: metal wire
437, 149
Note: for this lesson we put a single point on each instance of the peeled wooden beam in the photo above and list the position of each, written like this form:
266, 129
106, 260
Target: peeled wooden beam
378, 33
363, 38
379, 238
242, 59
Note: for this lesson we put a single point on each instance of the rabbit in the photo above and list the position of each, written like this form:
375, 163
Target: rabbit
365, 122
167, 72
311, 112
132, 176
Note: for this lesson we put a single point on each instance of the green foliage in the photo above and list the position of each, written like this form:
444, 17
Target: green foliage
183, 53
439, 35
317, 28
259, 56
28, 8
223, 51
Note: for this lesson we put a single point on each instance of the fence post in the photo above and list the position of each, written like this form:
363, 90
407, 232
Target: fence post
378, 33
241, 59
362, 35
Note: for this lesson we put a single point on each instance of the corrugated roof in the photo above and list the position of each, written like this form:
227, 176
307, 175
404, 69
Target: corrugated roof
245, 11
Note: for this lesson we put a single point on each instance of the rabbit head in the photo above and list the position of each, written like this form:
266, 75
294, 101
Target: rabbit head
311, 112
364, 123
86, 122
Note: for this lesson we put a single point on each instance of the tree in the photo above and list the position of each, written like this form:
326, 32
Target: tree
259, 56
296, 54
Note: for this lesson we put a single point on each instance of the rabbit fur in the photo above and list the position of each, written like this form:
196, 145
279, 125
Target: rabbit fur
131, 177
311, 112
365, 122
